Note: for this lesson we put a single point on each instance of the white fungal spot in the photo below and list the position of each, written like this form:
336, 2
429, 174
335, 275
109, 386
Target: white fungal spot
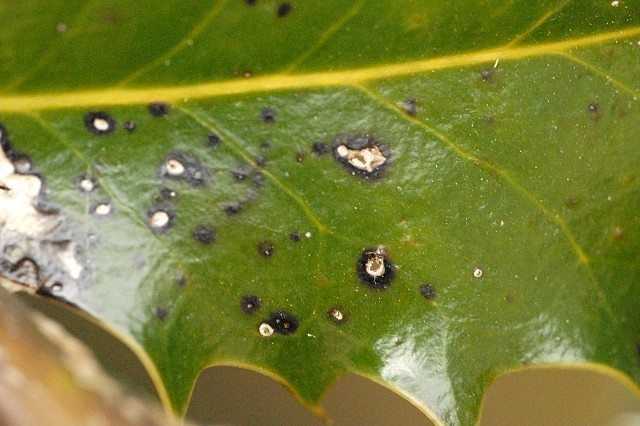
265, 330
87, 185
159, 219
174, 167
336, 314
367, 159
307, 234
478, 273
615, 3
103, 209
375, 264
101, 124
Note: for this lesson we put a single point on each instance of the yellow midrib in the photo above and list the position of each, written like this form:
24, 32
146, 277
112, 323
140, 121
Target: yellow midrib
347, 77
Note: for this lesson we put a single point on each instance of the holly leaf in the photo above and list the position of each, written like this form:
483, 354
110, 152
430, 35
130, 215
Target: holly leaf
429, 194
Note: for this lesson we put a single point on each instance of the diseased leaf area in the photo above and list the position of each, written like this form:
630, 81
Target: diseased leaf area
426, 193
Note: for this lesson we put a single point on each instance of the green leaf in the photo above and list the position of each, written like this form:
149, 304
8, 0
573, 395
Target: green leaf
502, 140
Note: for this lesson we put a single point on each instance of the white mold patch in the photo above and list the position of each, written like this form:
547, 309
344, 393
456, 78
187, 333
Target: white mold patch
37, 251
362, 155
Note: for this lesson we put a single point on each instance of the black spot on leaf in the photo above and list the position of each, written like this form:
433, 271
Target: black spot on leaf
241, 173
295, 236
180, 166
283, 322
250, 304
213, 140
375, 269
593, 107
410, 106
320, 148
284, 9
266, 248
268, 115
167, 194
99, 122
428, 291
204, 234
300, 157
161, 313
232, 209
129, 126
159, 109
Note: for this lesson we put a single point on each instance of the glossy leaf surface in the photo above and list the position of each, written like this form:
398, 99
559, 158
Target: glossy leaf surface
502, 140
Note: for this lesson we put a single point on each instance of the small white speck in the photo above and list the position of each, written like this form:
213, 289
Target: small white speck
502, 223
159, 219
615, 3
174, 167
103, 209
307, 234
265, 330
87, 185
478, 273
495, 64
311, 335
101, 124
336, 314
609, 198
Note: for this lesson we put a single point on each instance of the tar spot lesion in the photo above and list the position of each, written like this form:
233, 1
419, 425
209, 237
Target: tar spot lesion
161, 313
295, 236
268, 115
284, 9
159, 109
180, 166
428, 291
594, 111
283, 322
99, 122
204, 234
250, 304
410, 106
166, 194
213, 140
129, 126
232, 208
375, 269
266, 248
362, 155
300, 156
320, 148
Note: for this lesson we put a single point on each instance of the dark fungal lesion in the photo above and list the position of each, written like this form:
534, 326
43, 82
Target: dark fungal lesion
428, 291
268, 115
179, 165
99, 122
284, 9
204, 234
159, 109
375, 268
362, 155
283, 322
409, 106
266, 248
250, 304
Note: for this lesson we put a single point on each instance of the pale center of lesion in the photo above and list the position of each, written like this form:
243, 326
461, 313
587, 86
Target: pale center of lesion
368, 159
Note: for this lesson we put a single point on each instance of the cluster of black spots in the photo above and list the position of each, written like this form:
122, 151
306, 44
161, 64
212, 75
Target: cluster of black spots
250, 304
410, 106
320, 148
180, 166
284, 9
161, 218
161, 313
361, 155
129, 126
213, 140
268, 115
158, 109
283, 322
295, 236
375, 269
232, 209
266, 248
428, 291
99, 122
204, 234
